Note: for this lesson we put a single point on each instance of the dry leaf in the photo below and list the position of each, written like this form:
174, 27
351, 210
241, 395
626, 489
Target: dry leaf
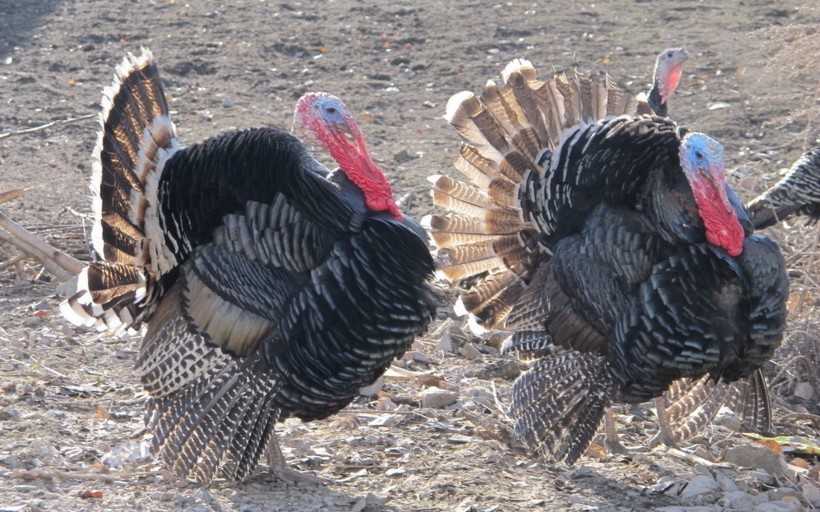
102, 413
12, 194
429, 380
771, 444
595, 450
91, 494
800, 463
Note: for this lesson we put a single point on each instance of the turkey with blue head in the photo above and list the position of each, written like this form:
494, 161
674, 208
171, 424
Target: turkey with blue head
609, 243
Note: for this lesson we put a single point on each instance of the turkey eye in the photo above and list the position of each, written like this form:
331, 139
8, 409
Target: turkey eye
698, 154
330, 110
669, 55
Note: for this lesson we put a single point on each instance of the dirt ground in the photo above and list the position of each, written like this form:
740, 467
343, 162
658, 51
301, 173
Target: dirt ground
70, 405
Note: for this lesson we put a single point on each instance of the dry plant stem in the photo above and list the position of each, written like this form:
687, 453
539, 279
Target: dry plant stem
63, 266
46, 126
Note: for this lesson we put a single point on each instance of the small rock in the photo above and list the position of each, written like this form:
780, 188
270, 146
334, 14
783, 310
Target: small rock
737, 500
812, 494
25, 488
505, 369
373, 389
728, 419
420, 357
779, 506
9, 413
395, 472
756, 456
227, 102
763, 477
726, 482
403, 156
387, 420
470, 352
700, 484
436, 398
371, 500
804, 390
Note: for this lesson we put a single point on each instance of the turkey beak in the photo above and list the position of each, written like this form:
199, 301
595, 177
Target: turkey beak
714, 175
348, 134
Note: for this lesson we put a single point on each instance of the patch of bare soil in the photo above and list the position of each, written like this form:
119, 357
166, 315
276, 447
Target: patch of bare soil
70, 405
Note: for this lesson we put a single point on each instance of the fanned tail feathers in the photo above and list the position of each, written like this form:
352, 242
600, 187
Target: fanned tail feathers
136, 138
692, 405
558, 404
208, 411
507, 132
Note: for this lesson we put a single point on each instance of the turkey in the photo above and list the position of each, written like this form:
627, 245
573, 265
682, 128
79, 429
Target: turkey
665, 79
798, 193
609, 244
270, 287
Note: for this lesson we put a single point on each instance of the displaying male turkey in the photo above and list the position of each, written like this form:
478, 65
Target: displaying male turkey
615, 251
270, 287
798, 193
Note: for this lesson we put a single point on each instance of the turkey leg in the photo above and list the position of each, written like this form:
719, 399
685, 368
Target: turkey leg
279, 467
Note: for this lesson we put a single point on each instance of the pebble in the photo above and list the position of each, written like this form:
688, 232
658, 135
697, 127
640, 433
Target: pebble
25, 488
436, 398
372, 389
804, 390
728, 419
9, 413
469, 352
738, 500
756, 456
506, 369
812, 494
700, 484
779, 506
726, 482
714, 508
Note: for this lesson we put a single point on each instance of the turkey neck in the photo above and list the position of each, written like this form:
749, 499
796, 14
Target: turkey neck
355, 162
669, 204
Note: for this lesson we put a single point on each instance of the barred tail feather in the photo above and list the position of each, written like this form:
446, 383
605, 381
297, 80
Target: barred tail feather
752, 402
208, 411
693, 405
558, 404
529, 345
136, 136
135, 139
110, 296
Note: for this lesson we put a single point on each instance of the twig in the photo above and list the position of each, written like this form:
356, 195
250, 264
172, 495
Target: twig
12, 262
48, 475
63, 266
46, 126
12, 194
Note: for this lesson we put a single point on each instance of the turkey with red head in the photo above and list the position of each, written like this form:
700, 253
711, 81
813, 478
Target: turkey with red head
614, 250
270, 286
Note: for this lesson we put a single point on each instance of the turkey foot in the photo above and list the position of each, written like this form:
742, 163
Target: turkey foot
279, 467
665, 433
612, 442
